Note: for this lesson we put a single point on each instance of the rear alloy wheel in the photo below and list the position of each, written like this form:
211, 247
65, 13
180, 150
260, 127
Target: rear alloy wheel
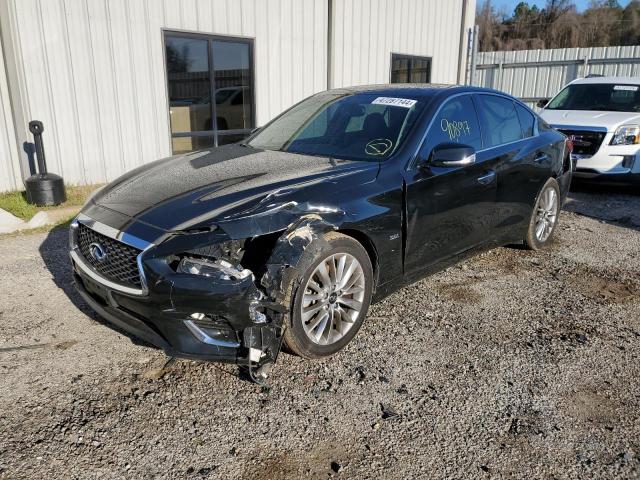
333, 299
544, 217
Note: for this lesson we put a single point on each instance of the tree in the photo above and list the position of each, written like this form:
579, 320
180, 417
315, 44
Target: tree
558, 25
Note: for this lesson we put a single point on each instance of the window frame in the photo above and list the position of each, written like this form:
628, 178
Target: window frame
513, 104
210, 38
403, 56
412, 163
414, 160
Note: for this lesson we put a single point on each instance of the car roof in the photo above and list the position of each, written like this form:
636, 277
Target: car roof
621, 80
415, 88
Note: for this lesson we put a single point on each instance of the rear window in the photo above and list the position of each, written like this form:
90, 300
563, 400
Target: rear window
527, 121
609, 97
500, 123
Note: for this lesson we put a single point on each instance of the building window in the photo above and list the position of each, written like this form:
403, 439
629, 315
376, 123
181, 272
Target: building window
205, 67
410, 69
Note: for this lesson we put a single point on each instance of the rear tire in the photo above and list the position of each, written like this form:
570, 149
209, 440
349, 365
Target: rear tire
331, 300
544, 217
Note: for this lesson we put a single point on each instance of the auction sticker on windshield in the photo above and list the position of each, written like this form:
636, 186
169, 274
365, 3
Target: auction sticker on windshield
628, 88
395, 102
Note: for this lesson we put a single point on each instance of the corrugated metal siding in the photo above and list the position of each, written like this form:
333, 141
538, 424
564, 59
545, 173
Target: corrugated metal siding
366, 32
535, 81
10, 178
93, 71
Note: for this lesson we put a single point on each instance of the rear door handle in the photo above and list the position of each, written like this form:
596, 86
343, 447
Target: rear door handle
541, 157
487, 178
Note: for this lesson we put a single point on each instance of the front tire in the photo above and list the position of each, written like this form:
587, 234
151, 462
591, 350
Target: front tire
544, 217
332, 299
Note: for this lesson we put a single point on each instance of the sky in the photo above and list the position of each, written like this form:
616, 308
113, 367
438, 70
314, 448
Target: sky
510, 5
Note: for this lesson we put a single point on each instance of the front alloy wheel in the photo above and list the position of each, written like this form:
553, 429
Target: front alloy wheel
332, 300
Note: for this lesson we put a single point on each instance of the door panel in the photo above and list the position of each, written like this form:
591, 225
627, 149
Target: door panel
521, 161
449, 210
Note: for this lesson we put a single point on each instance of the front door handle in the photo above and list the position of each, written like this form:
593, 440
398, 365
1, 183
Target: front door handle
487, 178
541, 157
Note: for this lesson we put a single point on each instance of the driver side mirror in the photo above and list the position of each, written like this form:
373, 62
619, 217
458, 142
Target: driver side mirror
542, 103
452, 155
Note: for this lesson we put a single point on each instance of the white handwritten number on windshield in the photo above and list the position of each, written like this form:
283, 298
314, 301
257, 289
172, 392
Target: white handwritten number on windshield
455, 128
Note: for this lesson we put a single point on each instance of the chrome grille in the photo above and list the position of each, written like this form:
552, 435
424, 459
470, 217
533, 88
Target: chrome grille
120, 262
585, 142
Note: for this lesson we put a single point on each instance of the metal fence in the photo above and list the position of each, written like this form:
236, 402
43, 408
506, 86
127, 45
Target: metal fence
532, 75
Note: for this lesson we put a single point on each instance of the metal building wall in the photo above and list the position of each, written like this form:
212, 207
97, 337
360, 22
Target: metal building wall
366, 32
535, 74
10, 178
93, 71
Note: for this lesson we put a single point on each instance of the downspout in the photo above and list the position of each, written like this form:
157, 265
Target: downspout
330, 44
465, 5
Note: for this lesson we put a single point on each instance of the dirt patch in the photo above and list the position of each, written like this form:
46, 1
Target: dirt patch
607, 286
593, 406
58, 346
320, 462
461, 292
505, 260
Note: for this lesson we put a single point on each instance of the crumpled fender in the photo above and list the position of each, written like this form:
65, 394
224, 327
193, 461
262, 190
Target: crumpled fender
278, 283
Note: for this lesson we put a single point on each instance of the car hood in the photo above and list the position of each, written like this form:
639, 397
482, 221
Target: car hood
589, 118
227, 183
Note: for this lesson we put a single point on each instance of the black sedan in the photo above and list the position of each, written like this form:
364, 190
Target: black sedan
228, 253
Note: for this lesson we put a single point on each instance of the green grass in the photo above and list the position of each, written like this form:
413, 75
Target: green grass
16, 203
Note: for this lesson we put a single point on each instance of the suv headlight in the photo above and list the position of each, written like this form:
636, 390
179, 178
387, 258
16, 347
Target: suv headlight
626, 135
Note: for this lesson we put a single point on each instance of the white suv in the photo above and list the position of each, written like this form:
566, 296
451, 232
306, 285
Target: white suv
601, 115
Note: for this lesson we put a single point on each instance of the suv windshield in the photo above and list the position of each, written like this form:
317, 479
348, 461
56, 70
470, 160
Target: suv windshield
352, 126
598, 96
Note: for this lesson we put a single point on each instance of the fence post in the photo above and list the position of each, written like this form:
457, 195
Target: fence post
468, 55
474, 55
585, 68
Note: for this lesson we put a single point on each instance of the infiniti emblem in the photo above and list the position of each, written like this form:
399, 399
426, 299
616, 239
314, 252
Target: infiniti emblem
98, 252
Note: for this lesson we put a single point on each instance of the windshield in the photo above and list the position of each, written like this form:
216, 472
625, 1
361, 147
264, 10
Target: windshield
598, 96
352, 126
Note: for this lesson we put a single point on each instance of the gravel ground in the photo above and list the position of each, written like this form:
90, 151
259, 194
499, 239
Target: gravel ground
513, 364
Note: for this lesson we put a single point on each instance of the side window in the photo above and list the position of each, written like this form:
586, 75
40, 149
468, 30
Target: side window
456, 122
527, 121
500, 122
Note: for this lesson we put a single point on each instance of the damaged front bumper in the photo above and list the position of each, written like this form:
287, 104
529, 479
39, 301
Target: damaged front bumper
206, 317
226, 315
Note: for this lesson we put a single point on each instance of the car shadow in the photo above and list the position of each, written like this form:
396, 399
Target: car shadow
55, 255
616, 205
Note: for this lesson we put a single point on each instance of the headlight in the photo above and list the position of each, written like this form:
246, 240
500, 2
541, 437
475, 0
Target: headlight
626, 135
218, 269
